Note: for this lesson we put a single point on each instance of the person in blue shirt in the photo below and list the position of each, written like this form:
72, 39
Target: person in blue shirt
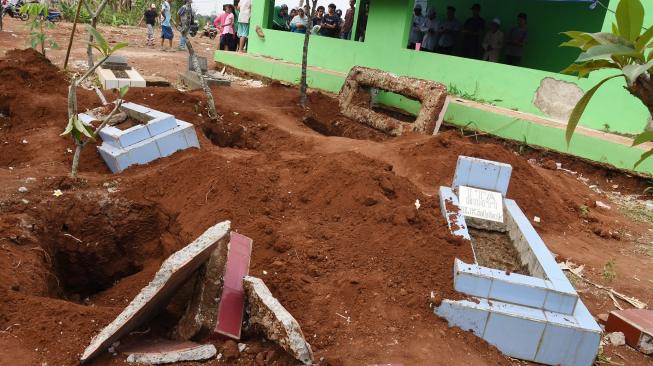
166, 28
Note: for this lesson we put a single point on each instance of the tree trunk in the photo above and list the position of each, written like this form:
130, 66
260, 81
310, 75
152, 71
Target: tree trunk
213, 114
78, 153
303, 83
94, 20
72, 33
643, 90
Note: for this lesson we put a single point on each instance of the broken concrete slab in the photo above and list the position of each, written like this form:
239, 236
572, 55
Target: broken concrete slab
432, 96
200, 318
232, 302
167, 351
152, 299
278, 325
192, 81
636, 325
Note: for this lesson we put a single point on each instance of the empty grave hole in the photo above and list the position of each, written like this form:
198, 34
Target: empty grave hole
495, 249
101, 243
397, 106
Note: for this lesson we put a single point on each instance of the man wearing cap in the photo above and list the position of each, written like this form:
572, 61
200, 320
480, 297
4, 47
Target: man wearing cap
150, 21
449, 30
416, 34
473, 34
493, 42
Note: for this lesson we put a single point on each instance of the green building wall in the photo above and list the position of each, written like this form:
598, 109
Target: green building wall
505, 86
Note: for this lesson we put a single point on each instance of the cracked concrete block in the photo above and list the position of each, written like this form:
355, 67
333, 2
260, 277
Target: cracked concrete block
201, 313
278, 325
432, 96
153, 298
557, 98
166, 351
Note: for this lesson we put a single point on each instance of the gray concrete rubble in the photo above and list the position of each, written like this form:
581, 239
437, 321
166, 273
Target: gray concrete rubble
267, 315
163, 352
153, 298
432, 96
201, 314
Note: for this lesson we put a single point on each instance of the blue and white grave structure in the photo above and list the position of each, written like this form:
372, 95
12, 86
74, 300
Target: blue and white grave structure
156, 136
536, 316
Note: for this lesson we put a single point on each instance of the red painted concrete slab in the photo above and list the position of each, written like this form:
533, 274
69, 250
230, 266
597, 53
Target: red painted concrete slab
231, 307
636, 325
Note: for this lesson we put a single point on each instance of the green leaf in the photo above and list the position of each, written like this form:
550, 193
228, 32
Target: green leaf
79, 126
580, 107
644, 39
123, 91
102, 43
632, 72
606, 51
118, 46
609, 38
69, 127
643, 137
644, 156
630, 18
615, 29
580, 40
583, 69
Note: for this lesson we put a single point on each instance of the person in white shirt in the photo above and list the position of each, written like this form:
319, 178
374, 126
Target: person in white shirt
416, 35
493, 42
431, 31
245, 8
299, 23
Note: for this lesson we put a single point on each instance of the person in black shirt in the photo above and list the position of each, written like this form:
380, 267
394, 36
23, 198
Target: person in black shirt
150, 16
473, 31
319, 14
330, 23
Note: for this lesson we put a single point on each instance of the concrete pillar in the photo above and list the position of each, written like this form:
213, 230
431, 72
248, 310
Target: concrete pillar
389, 23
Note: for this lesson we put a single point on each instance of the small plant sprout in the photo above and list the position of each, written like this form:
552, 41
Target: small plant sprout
81, 133
37, 23
609, 271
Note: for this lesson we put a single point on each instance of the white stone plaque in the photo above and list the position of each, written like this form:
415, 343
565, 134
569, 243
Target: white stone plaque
482, 204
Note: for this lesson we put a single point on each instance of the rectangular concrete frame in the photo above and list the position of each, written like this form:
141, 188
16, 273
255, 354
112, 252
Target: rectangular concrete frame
538, 317
179, 138
154, 123
174, 271
432, 96
109, 81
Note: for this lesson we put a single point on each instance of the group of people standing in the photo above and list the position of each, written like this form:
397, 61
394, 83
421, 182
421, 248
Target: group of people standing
472, 39
327, 22
233, 25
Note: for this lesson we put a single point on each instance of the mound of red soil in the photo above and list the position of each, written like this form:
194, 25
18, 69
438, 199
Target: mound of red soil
337, 234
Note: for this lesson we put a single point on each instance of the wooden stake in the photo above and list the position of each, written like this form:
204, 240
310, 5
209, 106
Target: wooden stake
72, 34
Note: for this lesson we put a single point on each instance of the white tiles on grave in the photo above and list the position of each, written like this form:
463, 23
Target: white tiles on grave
161, 136
483, 174
538, 317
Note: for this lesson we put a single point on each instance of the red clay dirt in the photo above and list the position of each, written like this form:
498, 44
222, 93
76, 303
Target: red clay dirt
337, 237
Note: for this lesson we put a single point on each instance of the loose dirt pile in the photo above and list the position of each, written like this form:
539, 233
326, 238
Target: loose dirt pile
337, 235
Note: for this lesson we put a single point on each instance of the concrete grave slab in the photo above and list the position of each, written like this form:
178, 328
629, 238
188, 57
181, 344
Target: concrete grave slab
166, 351
232, 303
278, 325
432, 95
152, 298
201, 314
190, 79
203, 61
483, 174
109, 80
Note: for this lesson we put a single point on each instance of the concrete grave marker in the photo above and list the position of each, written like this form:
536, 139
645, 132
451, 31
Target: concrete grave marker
537, 315
204, 64
153, 298
481, 204
115, 73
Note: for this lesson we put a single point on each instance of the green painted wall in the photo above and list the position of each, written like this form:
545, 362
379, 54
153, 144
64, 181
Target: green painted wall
384, 48
546, 20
